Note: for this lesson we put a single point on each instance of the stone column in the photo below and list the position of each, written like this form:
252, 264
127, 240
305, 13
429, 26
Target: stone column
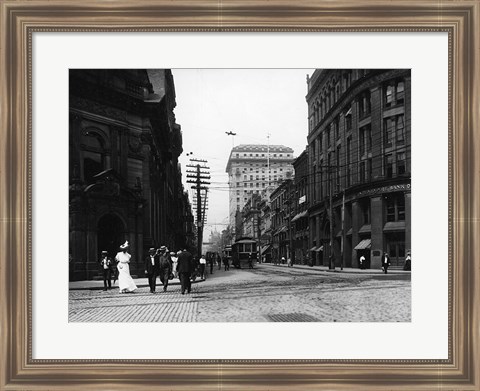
356, 225
408, 222
376, 209
347, 244
377, 133
318, 231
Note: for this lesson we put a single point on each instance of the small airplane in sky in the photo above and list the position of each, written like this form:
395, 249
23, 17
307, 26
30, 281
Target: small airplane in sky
230, 133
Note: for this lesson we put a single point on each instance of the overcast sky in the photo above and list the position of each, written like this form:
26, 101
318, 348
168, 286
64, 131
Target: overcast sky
249, 102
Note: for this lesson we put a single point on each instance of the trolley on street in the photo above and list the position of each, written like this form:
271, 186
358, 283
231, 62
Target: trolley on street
242, 250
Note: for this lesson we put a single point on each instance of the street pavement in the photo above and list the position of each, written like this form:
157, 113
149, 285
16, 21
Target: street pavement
267, 293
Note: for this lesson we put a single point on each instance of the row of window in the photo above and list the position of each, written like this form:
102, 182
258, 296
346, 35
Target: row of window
257, 184
263, 155
394, 208
394, 135
393, 95
393, 164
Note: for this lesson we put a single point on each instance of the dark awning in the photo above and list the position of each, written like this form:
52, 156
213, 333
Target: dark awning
394, 226
365, 229
364, 244
299, 215
265, 248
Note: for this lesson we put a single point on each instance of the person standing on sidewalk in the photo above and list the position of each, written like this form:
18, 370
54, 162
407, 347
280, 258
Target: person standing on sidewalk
152, 269
219, 261
165, 267
185, 269
408, 262
125, 280
385, 262
106, 263
362, 262
203, 265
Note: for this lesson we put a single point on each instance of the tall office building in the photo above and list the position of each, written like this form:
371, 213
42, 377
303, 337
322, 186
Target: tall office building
359, 156
252, 168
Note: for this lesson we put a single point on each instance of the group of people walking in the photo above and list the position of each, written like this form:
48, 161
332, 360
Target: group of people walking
120, 269
212, 260
159, 263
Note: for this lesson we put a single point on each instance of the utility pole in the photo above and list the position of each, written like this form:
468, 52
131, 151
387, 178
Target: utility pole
199, 183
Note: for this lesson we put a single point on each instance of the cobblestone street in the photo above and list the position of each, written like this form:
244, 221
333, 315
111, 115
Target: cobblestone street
265, 294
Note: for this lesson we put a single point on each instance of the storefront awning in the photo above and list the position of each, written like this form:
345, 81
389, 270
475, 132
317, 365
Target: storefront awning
299, 215
366, 228
364, 244
394, 226
265, 248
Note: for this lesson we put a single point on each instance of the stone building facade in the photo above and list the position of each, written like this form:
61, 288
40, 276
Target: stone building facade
300, 227
359, 155
252, 168
125, 178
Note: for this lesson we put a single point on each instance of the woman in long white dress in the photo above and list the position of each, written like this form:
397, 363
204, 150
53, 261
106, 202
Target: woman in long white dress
125, 281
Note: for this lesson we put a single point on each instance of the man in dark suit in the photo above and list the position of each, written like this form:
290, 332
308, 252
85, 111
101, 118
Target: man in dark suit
165, 267
106, 263
385, 262
185, 269
152, 268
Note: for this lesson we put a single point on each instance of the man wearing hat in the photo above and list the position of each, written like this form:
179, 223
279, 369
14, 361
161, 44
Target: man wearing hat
106, 265
165, 267
152, 268
185, 269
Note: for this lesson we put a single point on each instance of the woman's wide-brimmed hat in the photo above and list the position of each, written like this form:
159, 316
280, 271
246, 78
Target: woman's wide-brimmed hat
124, 245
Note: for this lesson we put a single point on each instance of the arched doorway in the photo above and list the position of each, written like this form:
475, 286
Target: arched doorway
110, 234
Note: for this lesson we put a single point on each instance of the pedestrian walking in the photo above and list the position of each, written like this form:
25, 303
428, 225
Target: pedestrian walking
226, 263
408, 262
289, 262
203, 265
125, 280
361, 262
385, 262
250, 261
219, 261
165, 267
185, 269
174, 259
152, 268
210, 262
106, 264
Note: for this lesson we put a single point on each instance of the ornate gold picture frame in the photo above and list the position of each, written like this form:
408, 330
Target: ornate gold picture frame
20, 19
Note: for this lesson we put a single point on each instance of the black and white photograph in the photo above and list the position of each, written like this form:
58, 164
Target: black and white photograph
240, 195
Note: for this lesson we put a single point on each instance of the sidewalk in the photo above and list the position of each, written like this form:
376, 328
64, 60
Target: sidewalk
336, 270
139, 282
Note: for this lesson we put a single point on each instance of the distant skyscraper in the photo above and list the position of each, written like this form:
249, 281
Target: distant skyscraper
254, 167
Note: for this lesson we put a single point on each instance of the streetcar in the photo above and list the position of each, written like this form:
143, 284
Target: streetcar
242, 250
